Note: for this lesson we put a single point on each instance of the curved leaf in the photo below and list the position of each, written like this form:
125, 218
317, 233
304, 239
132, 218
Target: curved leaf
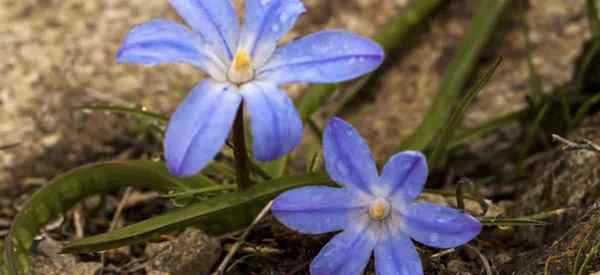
459, 72
218, 215
66, 190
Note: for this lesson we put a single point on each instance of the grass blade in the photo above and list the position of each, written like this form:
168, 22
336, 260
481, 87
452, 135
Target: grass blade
478, 35
218, 215
444, 137
66, 190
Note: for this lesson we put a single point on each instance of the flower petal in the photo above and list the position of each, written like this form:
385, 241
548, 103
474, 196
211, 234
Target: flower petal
395, 254
405, 174
316, 209
347, 253
161, 41
323, 57
439, 226
266, 22
199, 127
276, 125
215, 20
347, 157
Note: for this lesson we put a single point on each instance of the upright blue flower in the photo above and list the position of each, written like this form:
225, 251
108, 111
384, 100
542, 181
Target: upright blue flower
376, 213
243, 63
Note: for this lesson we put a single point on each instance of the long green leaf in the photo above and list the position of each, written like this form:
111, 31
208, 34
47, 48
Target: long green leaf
459, 71
218, 215
390, 38
446, 133
66, 190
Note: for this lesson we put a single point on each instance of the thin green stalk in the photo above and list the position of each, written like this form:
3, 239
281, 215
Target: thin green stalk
588, 258
531, 135
242, 163
456, 117
584, 109
592, 13
459, 72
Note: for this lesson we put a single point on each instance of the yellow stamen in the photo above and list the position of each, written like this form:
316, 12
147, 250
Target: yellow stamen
241, 61
241, 69
379, 209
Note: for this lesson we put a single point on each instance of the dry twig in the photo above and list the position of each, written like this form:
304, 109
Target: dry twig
584, 144
221, 269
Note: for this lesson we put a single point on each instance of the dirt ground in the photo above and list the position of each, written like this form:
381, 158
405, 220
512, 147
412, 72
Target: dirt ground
58, 55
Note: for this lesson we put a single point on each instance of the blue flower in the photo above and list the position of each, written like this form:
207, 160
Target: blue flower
243, 63
376, 213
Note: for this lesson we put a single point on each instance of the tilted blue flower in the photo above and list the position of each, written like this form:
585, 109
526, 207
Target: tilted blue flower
244, 65
375, 213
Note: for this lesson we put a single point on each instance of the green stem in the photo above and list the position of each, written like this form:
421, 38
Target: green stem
242, 164
460, 71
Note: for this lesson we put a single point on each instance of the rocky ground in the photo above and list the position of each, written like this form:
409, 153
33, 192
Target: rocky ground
58, 55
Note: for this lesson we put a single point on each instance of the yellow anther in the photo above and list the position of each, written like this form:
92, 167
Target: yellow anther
241, 69
379, 209
241, 61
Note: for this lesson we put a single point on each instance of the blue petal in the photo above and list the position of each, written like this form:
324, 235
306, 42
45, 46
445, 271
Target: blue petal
395, 254
161, 41
215, 20
199, 127
347, 157
323, 57
439, 226
266, 22
316, 209
276, 125
346, 254
405, 175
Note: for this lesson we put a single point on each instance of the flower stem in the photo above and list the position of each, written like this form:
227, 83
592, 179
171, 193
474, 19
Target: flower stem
242, 164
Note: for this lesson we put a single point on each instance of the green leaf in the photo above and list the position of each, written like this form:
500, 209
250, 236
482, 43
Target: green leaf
276, 168
218, 215
66, 190
391, 38
459, 71
455, 119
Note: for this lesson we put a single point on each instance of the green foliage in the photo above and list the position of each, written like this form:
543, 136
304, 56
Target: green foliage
218, 215
456, 117
481, 30
66, 190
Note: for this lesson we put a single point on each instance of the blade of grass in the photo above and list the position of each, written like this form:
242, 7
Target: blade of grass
584, 109
478, 34
592, 14
66, 190
445, 134
531, 135
466, 135
218, 215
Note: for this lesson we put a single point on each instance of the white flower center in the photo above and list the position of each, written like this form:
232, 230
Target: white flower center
379, 209
241, 70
